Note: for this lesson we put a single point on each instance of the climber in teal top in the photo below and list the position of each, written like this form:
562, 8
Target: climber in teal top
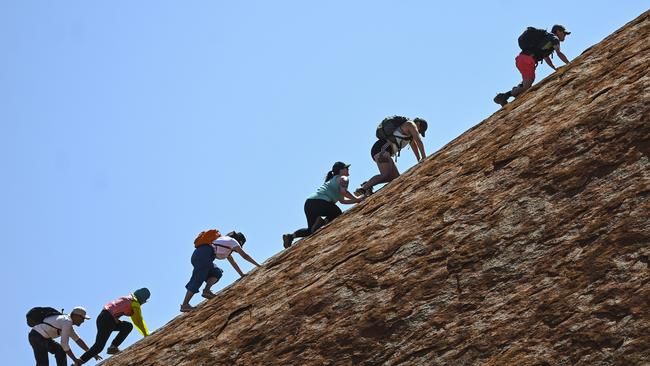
329, 191
323, 202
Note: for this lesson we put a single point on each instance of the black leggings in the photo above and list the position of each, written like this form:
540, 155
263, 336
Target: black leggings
106, 324
42, 346
315, 208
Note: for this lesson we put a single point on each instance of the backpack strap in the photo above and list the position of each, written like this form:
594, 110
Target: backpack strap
58, 330
223, 246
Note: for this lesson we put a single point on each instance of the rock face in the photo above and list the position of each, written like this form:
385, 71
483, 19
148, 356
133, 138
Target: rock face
525, 241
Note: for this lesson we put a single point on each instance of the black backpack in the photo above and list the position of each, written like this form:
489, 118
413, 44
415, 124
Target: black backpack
536, 42
35, 316
387, 127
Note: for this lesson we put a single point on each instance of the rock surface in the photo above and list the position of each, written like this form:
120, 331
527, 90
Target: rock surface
525, 241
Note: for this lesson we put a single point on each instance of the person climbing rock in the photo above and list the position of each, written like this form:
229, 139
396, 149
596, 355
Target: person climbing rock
323, 202
536, 45
207, 249
54, 324
394, 133
108, 321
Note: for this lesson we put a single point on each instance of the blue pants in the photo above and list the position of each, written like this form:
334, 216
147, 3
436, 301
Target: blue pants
204, 268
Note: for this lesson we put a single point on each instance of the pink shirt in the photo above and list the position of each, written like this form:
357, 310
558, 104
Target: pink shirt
120, 306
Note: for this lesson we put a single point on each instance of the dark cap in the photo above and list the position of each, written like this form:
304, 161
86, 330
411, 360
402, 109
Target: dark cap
237, 235
336, 168
558, 27
142, 295
423, 125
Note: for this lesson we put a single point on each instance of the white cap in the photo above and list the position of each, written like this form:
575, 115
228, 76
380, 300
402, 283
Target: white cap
79, 311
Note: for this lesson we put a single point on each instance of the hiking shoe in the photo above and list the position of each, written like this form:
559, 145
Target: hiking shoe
208, 295
112, 350
501, 99
185, 309
287, 239
366, 192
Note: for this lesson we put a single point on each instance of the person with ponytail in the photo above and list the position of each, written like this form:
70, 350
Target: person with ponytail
323, 202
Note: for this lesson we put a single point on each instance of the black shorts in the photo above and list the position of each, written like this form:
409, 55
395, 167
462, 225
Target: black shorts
380, 146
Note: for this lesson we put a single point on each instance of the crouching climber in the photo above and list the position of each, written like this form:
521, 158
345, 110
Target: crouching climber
394, 133
109, 321
211, 245
47, 325
323, 202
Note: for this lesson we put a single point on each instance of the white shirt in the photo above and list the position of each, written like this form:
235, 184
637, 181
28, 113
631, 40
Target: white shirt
403, 140
55, 326
226, 241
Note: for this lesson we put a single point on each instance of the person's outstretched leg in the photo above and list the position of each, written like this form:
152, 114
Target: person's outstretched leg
105, 325
314, 210
387, 172
185, 306
124, 328
521, 88
312, 214
526, 65
202, 264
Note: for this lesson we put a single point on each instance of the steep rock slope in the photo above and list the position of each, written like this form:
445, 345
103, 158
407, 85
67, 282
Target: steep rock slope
525, 241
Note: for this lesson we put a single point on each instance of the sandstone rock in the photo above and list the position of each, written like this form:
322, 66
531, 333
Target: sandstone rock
525, 241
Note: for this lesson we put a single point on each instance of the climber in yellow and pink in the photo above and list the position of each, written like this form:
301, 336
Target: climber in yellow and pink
109, 321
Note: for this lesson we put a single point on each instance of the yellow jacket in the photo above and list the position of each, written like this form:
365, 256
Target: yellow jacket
136, 318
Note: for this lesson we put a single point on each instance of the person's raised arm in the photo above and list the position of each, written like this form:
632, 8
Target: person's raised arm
561, 55
66, 332
136, 318
245, 255
348, 198
416, 141
548, 61
234, 265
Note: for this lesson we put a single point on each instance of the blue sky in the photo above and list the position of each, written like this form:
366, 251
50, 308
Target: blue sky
127, 127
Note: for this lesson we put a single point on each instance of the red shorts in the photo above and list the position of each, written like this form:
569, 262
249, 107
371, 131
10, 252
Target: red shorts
526, 65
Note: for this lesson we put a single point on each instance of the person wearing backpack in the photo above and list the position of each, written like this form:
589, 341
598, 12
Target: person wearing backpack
48, 324
108, 321
536, 45
323, 202
394, 133
211, 245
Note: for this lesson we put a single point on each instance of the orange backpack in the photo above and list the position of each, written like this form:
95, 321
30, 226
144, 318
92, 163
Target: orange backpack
206, 237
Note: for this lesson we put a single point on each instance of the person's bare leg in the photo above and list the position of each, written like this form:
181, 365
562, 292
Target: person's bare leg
387, 172
521, 88
394, 173
185, 306
209, 283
